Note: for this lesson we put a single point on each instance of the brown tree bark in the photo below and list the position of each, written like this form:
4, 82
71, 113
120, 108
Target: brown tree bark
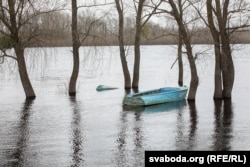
180, 62
180, 43
28, 89
224, 71
126, 74
137, 53
76, 45
19, 50
215, 34
194, 76
227, 61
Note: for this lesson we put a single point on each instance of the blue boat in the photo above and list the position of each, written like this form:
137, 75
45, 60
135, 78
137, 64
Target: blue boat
156, 96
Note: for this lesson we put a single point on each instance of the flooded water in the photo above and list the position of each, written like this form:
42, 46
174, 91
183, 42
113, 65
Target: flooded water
95, 129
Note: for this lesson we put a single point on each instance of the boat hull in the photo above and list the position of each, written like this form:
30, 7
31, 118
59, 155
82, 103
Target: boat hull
156, 96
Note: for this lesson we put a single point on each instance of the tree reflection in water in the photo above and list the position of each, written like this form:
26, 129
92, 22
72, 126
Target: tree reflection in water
19, 153
181, 142
223, 116
193, 125
77, 134
123, 148
138, 140
121, 157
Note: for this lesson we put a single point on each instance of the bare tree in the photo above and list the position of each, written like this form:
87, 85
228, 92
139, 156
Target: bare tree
141, 21
76, 45
186, 40
216, 38
137, 43
180, 43
126, 74
224, 19
17, 19
79, 35
226, 56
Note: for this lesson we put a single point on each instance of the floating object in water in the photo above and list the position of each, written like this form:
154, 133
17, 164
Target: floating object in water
156, 96
104, 87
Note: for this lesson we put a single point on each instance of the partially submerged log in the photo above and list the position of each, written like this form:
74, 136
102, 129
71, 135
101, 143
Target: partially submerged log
104, 87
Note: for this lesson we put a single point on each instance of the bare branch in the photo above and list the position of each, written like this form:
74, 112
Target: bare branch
174, 63
4, 54
152, 13
199, 13
87, 33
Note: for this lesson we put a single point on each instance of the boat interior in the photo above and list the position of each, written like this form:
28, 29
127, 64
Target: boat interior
155, 91
147, 93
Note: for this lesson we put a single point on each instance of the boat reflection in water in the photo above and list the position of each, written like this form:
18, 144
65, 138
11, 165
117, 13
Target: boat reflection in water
156, 108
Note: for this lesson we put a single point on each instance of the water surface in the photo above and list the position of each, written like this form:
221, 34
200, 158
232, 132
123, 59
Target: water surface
94, 129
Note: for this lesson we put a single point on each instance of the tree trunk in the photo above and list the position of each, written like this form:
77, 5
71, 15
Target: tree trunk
180, 42
217, 75
227, 71
227, 65
180, 62
194, 76
28, 89
19, 50
215, 34
126, 74
227, 61
76, 45
136, 73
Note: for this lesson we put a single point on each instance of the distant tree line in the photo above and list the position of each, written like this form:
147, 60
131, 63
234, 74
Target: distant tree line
55, 30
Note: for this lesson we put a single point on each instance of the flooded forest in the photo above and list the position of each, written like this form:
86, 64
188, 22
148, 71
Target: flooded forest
55, 54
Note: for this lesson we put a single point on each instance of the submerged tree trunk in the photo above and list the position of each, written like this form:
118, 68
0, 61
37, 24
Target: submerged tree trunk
76, 45
28, 89
180, 62
228, 74
137, 53
227, 65
217, 74
180, 42
126, 74
215, 34
19, 50
194, 76
226, 55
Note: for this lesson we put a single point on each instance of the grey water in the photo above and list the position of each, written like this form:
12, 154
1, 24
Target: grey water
95, 129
